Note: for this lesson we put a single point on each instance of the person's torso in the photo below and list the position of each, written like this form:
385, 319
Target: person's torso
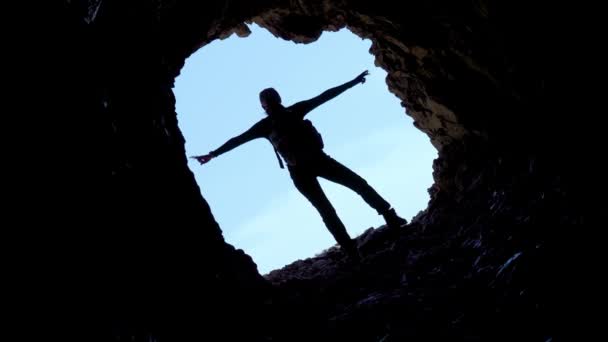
296, 140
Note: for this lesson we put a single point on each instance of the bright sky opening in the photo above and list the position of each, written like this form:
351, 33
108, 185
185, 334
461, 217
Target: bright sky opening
365, 128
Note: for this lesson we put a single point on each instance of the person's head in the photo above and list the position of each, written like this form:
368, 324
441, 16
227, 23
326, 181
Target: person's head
270, 100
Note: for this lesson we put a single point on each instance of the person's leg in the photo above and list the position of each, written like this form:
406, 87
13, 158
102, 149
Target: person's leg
306, 182
334, 171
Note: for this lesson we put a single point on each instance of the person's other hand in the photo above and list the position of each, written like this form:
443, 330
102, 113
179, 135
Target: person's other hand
203, 159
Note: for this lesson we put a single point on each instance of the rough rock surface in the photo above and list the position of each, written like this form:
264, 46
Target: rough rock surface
477, 265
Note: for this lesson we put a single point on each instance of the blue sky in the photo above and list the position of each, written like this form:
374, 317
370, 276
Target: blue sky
365, 128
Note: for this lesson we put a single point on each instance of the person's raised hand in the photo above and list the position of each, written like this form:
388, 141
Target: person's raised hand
361, 77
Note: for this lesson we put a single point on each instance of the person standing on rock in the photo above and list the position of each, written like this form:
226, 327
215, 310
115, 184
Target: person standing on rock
301, 146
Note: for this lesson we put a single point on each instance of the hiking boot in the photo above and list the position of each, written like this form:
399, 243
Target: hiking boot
393, 220
352, 251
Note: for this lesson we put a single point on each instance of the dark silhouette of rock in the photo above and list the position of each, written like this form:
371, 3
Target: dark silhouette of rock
478, 264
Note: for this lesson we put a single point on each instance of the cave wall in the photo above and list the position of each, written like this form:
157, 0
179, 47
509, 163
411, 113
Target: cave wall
474, 76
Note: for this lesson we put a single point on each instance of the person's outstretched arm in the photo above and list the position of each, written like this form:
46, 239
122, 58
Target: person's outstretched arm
256, 131
304, 107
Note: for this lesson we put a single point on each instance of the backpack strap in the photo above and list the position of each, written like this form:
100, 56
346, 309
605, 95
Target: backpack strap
278, 157
275, 149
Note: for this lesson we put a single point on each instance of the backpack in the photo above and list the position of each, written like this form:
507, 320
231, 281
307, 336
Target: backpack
307, 134
310, 133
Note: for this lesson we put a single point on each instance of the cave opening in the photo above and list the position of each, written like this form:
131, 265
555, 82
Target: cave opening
478, 264
253, 200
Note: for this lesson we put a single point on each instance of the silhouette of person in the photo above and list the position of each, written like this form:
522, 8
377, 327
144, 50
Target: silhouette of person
301, 147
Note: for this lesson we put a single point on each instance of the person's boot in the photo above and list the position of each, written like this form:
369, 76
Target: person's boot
393, 220
352, 251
